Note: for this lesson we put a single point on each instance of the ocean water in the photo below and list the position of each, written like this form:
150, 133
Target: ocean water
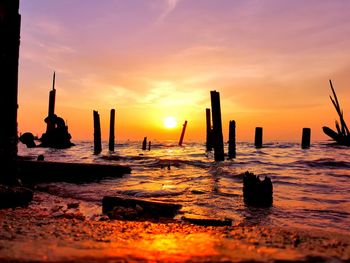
311, 187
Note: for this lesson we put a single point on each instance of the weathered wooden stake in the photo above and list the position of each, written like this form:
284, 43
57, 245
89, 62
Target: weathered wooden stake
52, 99
149, 145
97, 133
209, 141
111, 131
305, 141
232, 140
183, 133
144, 143
258, 137
218, 140
10, 26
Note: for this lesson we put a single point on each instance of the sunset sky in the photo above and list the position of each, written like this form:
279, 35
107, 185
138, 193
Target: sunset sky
149, 59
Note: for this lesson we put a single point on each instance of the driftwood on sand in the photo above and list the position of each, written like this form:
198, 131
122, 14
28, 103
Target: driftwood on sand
342, 135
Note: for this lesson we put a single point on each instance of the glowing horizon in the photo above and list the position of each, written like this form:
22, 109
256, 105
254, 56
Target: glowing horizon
269, 60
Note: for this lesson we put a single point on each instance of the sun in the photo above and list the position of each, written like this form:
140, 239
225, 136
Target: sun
170, 122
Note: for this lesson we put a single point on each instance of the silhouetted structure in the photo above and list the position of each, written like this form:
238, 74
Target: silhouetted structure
183, 133
111, 131
97, 133
144, 143
232, 140
258, 142
57, 135
209, 139
217, 126
342, 135
256, 192
10, 23
27, 138
306, 138
149, 145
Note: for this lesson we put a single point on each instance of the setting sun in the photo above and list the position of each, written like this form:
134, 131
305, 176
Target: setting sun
170, 122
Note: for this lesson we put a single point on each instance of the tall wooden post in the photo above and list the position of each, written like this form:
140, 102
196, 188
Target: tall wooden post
97, 133
209, 141
10, 26
305, 141
144, 144
183, 133
52, 99
232, 140
111, 131
217, 126
258, 137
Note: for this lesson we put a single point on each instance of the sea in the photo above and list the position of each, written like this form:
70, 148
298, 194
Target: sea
311, 187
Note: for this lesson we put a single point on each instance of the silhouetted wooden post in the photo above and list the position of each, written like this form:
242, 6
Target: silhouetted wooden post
52, 99
97, 133
258, 137
111, 130
232, 140
209, 141
10, 26
217, 126
144, 143
305, 141
149, 145
183, 133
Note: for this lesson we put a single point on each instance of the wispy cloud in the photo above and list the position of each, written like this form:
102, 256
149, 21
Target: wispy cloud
170, 5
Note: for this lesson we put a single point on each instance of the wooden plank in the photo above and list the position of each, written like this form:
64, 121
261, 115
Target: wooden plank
42, 171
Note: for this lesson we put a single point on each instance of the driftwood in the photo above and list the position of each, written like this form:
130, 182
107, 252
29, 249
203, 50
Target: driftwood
31, 172
136, 209
342, 135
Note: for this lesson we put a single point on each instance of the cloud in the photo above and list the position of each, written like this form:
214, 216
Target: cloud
170, 6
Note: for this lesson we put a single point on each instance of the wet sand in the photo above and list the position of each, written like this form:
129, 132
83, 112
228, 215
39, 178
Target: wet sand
59, 234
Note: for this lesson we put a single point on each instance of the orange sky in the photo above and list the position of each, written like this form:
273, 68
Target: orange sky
149, 59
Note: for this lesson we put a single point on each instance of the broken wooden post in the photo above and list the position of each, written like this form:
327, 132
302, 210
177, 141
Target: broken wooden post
97, 133
258, 137
51, 112
10, 26
144, 144
305, 141
209, 141
111, 131
217, 127
149, 145
232, 140
183, 133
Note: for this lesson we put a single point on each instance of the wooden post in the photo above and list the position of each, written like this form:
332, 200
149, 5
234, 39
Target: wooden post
111, 131
232, 140
144, 144
97, 133
52, 99
149, 145
209, 143
10, 26
258, 137
305, 141
217, 126
183, 133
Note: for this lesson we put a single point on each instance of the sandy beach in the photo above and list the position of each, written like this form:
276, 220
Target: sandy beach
61, 233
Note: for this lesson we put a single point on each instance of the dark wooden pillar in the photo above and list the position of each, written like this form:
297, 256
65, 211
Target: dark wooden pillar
183, 133
144, 144
52, 101
10, 26
209, 141
258, 137
217, 126
97, 133
232, 140
306, 138
111, 131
